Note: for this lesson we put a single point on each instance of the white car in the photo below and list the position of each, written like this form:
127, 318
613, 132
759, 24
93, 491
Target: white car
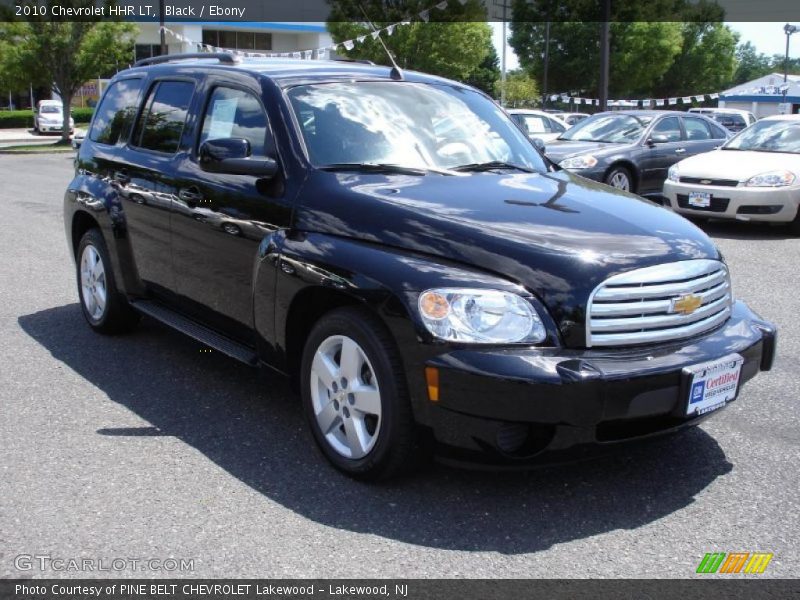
538, 124
754, 176
732, 119
49, 118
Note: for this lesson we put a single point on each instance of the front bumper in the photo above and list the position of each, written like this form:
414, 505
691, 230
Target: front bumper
53, 128
501, 406
777, 205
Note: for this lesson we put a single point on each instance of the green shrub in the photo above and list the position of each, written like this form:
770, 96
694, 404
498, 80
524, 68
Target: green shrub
16, 119
13, 119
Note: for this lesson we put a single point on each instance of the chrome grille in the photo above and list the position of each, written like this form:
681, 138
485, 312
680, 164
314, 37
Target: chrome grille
638, 307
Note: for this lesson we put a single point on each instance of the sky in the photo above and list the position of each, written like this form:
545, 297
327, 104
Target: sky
766, 37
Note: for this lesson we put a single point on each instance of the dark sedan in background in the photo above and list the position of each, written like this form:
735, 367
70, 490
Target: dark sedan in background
632, 150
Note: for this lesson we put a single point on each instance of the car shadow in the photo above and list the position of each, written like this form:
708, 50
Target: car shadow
252, 426
742, 230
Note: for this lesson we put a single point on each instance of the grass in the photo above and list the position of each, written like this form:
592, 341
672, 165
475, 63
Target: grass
58, 146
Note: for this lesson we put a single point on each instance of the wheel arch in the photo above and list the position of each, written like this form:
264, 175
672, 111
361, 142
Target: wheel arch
631, 168
82, 222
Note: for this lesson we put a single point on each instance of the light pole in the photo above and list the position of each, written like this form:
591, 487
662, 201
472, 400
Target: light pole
788, 30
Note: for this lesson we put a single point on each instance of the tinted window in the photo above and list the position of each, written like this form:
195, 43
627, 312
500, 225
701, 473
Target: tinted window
161, 124
718, 133
235, 114
556, 127
113, 118
669, 127
605, 127
696, 129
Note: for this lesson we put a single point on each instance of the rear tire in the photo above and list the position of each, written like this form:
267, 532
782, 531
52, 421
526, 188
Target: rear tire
355, 396
105, 309
620, 177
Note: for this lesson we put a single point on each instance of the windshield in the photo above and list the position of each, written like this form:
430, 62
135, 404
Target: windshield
608, 128
49, 108
413, 125
768, 136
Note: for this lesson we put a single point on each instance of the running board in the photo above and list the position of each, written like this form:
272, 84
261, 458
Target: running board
194, 330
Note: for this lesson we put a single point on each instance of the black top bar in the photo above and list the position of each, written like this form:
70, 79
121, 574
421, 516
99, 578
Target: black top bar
223, 57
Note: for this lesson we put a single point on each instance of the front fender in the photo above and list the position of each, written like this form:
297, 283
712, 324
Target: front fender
387, 280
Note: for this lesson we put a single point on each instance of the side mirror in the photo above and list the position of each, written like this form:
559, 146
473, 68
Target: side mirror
232, 156
539, 143
658, 138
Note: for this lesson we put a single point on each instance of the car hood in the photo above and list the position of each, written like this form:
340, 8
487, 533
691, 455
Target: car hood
557, 234
737, 165
558, 150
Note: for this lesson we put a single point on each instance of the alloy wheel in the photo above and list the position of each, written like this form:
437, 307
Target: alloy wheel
345, 397
93, 283
620, 181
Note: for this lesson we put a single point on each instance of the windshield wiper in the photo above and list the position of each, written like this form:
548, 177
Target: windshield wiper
494, 164
370, 167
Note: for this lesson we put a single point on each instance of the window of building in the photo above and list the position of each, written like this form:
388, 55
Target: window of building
235, 114
116, 112
147, 51
161, 125
237, 40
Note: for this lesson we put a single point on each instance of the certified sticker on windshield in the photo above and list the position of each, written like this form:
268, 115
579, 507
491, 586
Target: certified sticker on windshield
713, 384
699, 199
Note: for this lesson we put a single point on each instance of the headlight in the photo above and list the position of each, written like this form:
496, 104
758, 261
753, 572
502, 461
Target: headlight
480, 316
772, 179
672, 174
578, 162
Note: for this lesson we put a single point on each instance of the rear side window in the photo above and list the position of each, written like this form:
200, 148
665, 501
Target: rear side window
235, 114
696, 129
116, 112
161, 124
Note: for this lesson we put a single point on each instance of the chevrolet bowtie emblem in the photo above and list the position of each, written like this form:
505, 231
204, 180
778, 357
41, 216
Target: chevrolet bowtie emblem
686, 305
705, 181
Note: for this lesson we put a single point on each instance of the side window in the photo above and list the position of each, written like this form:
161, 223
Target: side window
116, 112
696, 129
717, 132
161, 124
750, 118
236, 114
669, 127
556, 127
535, 124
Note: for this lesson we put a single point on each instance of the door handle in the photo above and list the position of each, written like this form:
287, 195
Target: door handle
680, 150
121, 177
191, 196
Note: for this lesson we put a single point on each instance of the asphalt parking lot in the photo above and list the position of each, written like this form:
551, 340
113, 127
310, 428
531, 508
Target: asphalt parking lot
143, 446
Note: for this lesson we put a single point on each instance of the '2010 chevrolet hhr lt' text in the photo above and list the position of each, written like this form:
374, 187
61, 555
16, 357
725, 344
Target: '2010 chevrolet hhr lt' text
394, 243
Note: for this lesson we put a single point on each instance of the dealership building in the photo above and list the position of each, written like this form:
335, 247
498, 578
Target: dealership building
765, 96
247, 37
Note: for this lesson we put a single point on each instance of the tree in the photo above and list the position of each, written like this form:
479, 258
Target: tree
640, 53
486, 75
750, 64
654, 45
706, 62
455, 45
62, 56
520, 89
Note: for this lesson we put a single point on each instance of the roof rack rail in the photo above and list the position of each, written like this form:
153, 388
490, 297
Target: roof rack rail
362, 61
223, 57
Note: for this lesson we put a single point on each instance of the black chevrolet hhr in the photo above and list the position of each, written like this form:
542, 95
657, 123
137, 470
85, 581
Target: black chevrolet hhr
395, 244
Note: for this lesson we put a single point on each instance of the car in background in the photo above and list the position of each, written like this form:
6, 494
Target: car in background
49, 117
731, 119
755, 176
537, 124
632, 150
572, 118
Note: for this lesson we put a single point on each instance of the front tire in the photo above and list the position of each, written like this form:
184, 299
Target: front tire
104, 308
355, 396
620, 178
